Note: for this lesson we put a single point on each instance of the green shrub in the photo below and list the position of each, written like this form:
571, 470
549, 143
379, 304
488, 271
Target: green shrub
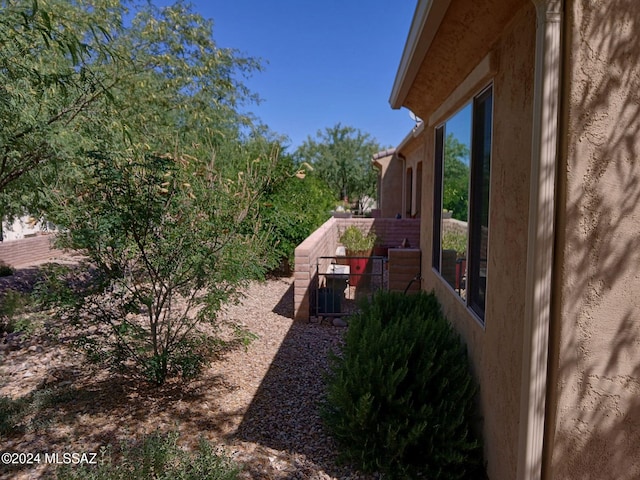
5, 270
453, 240
170, 239
10, 413
12, 303
293, 207
159, 457
355, 240
14, 316
55, 286
400, 396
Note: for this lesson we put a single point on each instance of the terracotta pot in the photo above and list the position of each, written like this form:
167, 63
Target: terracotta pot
359, 267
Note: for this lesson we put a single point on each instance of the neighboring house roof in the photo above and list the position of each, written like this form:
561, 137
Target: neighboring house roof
382, 154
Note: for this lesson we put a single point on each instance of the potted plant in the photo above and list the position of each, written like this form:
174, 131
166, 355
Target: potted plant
380, 249
357, 244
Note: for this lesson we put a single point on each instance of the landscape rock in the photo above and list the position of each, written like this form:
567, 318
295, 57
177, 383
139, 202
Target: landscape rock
339, 322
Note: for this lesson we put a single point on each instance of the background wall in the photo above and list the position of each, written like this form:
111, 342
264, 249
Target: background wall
28, 251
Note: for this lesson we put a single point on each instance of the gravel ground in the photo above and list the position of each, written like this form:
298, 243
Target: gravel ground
259, 404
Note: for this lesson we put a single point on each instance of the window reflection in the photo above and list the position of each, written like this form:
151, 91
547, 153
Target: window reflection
461, 200
455, 200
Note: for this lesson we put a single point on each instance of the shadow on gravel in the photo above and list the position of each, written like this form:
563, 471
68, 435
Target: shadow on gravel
107, 411
284, 414
284, 307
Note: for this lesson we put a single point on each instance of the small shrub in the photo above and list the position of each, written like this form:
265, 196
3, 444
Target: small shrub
5, 270
14, 307
57, 285
10, 414
452, 240
170, 238
400, 397
32, 412
355, 240
159, 457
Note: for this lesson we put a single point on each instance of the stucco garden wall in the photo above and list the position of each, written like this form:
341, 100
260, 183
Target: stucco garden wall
495, 349
595, 356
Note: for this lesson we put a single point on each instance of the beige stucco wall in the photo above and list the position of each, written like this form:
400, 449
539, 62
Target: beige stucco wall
495, 348
595, 433
390, 186
413, 160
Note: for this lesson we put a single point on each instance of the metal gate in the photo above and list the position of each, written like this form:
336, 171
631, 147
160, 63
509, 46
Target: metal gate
342, 282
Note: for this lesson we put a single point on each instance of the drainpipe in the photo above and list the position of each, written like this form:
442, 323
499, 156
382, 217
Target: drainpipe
539, 283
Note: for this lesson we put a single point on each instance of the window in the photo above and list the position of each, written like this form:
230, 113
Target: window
461, 202
408, 192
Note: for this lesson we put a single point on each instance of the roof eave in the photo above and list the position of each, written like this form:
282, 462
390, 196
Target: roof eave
409, 138
426, 20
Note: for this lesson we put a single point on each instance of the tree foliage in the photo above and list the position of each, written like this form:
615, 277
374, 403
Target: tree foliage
294, 206
341, 157
455, 191
51, 80
132, 139
171, 238
75, 79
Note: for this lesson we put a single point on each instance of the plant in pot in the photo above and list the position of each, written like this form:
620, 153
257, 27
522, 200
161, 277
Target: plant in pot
357, 244
380, 249
454, 257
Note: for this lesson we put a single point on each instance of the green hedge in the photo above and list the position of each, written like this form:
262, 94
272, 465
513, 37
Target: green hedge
400, 395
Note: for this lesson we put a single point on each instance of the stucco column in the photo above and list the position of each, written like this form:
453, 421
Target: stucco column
541, 237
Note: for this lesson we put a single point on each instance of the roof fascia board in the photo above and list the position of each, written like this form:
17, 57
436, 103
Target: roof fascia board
426, 20
415, 131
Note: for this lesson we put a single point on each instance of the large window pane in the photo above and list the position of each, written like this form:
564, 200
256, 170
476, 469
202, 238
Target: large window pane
461, 200
454, 233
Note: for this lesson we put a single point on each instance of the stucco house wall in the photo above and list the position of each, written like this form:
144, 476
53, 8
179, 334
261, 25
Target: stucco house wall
412, 152
595, 428
494, 347
400, 176
557, 354
390, 183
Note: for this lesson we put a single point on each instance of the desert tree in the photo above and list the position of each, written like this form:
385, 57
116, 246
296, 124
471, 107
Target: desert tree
161, 190
341, 157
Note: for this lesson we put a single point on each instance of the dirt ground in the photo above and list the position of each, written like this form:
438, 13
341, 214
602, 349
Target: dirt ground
260, 404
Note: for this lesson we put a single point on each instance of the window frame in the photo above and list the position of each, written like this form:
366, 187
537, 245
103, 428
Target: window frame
436, 256
479, 197
479, 157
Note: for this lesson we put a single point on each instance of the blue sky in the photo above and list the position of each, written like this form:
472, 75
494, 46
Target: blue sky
326, 62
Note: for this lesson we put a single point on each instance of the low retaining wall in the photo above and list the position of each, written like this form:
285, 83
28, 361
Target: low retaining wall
323, 242
26, 251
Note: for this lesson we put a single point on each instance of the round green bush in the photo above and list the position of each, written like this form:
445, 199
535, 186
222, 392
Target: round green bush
400, 397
